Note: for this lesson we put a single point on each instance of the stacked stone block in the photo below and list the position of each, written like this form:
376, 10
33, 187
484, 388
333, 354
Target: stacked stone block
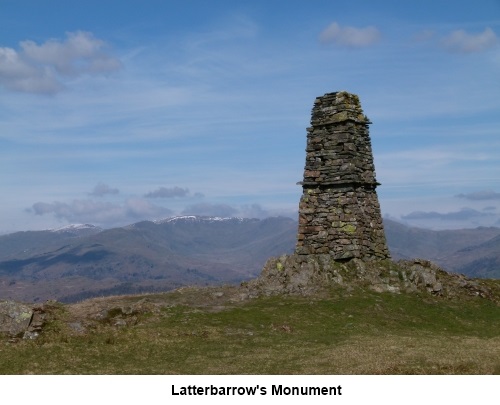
339, 212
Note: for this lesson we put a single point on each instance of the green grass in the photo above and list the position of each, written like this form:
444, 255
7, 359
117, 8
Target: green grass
359, 332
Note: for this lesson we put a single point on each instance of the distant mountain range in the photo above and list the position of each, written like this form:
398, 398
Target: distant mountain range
81, 261
473, 252
78, 262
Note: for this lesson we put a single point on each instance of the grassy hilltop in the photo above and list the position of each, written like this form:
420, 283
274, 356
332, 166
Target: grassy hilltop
219, 330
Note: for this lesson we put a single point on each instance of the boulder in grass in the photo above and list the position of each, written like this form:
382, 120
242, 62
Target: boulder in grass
15, 318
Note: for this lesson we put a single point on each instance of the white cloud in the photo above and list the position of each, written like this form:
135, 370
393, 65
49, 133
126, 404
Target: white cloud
19, 75
101, 213
463, 42
350, 36
80, 53
41, 68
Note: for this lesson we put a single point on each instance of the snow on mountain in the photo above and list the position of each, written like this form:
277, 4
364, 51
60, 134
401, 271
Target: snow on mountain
76, 228
197, 218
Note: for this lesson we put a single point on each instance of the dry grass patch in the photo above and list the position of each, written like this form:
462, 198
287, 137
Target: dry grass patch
408, 355
345, 332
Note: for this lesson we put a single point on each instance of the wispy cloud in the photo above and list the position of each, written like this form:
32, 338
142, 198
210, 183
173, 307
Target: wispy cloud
101, 213
461, 215
435, 167
102, 189
463, 42
164, 192
221, 107
244, 211
254, 211
41, 68
437, 156
208, 209
480, 195
351, 37
424, 35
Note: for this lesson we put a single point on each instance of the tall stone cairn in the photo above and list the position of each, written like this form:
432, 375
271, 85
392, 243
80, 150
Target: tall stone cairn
339, 212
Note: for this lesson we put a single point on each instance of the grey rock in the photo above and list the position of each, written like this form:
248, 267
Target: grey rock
120, 322
77, 327
15, 318
307, 275
30, 335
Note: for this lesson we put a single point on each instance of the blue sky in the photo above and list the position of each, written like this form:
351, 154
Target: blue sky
116, 111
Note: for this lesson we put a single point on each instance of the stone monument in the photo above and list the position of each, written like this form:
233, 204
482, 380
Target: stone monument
341, 240
339, 212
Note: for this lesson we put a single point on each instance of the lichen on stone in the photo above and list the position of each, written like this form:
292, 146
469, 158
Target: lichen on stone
348, 228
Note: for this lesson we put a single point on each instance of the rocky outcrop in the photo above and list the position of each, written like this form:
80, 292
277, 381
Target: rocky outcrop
308, 275
15, 318
18, 320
